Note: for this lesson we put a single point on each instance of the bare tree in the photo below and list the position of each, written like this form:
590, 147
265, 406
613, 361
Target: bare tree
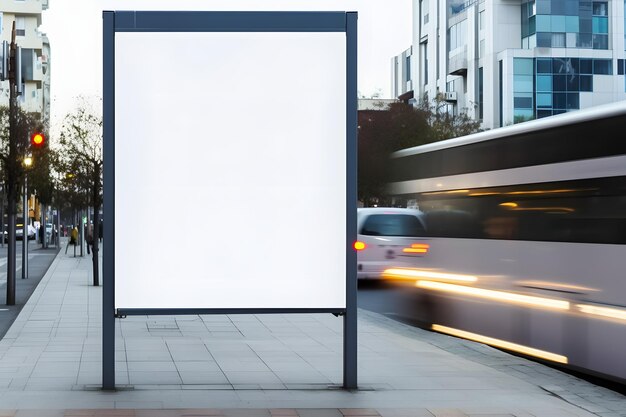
80, 156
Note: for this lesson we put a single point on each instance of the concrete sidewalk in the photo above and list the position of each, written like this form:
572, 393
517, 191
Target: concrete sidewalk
262, 365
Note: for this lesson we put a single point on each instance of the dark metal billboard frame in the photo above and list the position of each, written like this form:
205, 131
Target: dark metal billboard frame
185, 21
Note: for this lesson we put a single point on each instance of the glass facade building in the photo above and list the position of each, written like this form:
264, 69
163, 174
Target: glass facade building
565, 24
547, 86
503, 63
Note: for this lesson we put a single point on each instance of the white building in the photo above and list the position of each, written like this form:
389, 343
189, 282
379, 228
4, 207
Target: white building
506, 61
35, 54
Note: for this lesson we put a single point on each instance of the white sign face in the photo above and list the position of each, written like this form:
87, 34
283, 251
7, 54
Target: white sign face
230, 170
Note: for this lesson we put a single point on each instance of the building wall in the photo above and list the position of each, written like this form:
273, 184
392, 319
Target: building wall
487, 52
35, 56
401, 81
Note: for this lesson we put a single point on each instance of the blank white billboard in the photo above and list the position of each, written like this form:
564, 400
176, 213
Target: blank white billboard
230, 170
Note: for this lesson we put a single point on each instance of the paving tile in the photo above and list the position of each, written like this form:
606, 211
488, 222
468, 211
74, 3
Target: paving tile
154, 377
401, 412
39, 413
148, 366
319, 412
201, 412
192, 377
251, 377
283, 412
246, 413
197, 366
359, 412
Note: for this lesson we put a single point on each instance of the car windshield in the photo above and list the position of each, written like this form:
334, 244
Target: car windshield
393, 225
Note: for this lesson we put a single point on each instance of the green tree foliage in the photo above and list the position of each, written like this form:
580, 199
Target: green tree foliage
400, 126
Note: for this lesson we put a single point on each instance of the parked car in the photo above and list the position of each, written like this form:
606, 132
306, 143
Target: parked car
19, 232
50, 229
387, 238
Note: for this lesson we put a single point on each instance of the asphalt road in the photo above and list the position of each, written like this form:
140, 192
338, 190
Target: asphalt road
39, 261
399, 302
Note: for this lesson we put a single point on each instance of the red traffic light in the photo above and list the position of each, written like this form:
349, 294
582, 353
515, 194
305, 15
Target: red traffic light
37, 139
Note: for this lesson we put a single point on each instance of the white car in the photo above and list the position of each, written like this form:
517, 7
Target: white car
19, 232
388, 238
49, 229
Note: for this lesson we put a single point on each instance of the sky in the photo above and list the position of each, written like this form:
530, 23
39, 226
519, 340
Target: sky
74, 29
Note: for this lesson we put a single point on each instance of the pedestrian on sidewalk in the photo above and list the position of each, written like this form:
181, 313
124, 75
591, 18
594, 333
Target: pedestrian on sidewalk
89, 238
73, 240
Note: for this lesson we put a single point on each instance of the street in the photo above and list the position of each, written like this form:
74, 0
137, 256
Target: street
39, 261
401, 303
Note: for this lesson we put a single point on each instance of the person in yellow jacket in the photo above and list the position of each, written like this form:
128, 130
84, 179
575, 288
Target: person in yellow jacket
73, 240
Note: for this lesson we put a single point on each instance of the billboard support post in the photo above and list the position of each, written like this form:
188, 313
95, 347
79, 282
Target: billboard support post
350, 318
108, 191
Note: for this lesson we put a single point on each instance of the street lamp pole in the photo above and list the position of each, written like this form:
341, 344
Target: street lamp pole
25, 230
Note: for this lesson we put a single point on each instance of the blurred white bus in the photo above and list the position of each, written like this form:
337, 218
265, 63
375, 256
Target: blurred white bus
527, 233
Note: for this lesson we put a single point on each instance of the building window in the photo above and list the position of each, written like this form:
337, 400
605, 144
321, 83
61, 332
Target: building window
20, 26
566, 24
603, 66
600, 41
523, 89
457, 35
481, 20
600, 24
544, 6
559, 81
407, 73
425, 60
544, 39
424, 12
600, 8
558, 40
529, 24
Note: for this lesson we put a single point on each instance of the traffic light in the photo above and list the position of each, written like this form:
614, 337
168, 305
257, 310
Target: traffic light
37, 139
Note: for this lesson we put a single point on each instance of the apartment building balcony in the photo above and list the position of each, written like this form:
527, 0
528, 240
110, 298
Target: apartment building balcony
30, 7
457, 61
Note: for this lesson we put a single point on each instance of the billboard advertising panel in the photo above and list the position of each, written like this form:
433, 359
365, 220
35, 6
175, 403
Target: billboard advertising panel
230, 170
